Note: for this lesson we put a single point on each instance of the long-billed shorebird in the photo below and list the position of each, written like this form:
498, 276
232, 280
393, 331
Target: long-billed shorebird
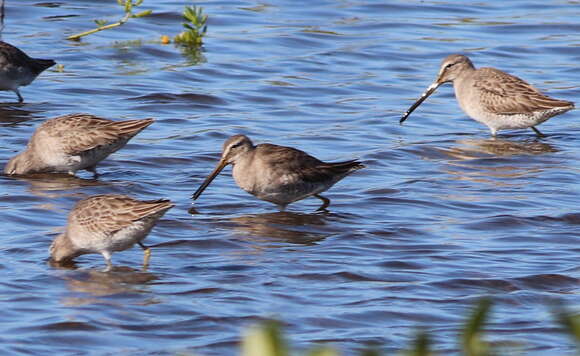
105, 224
17, 69
73, 142
496, 99
278, 174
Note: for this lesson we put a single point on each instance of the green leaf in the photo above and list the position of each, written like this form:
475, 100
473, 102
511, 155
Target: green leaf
323, 351
421, 345
128, 5
143, 13
569, 322
264, 340
473, 344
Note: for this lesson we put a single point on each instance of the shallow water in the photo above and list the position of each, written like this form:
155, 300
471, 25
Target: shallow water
441, 216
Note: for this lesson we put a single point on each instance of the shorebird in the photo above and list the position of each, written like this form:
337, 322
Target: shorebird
17, 69
73, 142
278, 174
105, 224
496, 99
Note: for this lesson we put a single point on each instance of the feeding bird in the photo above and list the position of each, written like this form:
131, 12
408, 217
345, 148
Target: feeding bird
278, 174
73, 142
496, 99
17, 69
105, 224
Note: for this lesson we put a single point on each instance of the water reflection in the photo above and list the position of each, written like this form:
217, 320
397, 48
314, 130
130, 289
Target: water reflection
193, 54
52, 185
482, 148
12, 113
481, 160
90, 286
296, 228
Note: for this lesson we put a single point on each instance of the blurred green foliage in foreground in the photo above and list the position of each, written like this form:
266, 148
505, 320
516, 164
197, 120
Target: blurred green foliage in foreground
266, 339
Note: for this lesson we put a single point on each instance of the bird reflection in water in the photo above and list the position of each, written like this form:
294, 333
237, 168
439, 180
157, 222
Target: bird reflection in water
53, 185
11, 114
94, 286
474, 149
479, 160
295, 228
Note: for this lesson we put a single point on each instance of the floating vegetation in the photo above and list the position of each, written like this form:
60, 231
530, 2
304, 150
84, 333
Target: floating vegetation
267, 339
195, 24
128, 7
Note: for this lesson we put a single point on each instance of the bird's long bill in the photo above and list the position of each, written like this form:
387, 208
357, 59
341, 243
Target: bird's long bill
424, 96
221, 165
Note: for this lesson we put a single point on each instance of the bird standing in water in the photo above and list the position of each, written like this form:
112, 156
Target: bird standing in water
73, 142
496, 99
105, 224
278, 174
17, 69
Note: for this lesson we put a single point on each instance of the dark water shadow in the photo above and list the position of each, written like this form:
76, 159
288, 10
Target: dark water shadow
295, 228
91, 286
162, 98
12, 113
496, 161
483, 148
49, 184
193, 54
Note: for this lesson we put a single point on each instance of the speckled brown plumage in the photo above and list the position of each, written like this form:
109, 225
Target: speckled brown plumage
73, 142
18, 69
502, 93
495, 98
105, 224
278, 174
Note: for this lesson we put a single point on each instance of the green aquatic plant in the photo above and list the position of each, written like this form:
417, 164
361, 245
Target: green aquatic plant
421, 345
128, 8
471, 336
195, 25
267, 338
569, 322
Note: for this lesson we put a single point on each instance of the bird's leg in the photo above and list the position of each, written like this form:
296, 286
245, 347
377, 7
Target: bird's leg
325, 202
537, 132
146, 255
20, 98
107, 257
93, 170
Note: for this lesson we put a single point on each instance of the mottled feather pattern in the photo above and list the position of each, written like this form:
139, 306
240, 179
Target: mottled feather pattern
73, 142
111, 213
306, 167
105, 224
12, 57
10, 54
82, 132
278, 174
502, 93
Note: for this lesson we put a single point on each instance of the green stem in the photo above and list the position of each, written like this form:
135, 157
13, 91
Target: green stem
106, 27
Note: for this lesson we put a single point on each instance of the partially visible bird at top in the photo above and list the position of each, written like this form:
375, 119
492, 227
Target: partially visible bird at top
17, 69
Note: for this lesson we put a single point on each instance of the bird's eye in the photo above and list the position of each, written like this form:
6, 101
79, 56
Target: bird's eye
237, 144
450, 65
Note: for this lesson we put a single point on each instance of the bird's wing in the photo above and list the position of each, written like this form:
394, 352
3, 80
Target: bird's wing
502, 93
111, 213
82, 132
302, 166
